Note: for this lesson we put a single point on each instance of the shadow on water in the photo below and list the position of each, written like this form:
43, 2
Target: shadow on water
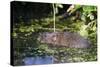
38, 60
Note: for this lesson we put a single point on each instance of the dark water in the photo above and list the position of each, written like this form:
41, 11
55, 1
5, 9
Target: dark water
38, 60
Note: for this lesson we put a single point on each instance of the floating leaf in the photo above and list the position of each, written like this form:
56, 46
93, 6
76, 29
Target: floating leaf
21, 29
83, 30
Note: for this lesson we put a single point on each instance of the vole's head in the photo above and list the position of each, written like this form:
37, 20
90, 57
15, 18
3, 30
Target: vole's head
47, 37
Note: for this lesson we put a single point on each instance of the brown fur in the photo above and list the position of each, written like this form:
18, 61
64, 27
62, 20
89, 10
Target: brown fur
64, 39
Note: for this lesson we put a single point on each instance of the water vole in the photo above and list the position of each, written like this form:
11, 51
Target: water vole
64, 39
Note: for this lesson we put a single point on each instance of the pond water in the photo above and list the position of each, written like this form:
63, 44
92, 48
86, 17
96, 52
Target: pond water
38, 60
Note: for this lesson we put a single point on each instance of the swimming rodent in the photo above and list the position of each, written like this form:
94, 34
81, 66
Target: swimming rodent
64, 39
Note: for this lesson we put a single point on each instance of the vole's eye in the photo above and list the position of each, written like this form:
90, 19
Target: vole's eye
54, 38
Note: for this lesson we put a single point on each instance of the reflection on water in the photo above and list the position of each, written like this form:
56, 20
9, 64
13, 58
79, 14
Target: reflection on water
38, 60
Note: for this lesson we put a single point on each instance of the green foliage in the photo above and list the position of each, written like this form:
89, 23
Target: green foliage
88, 12
89, 9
